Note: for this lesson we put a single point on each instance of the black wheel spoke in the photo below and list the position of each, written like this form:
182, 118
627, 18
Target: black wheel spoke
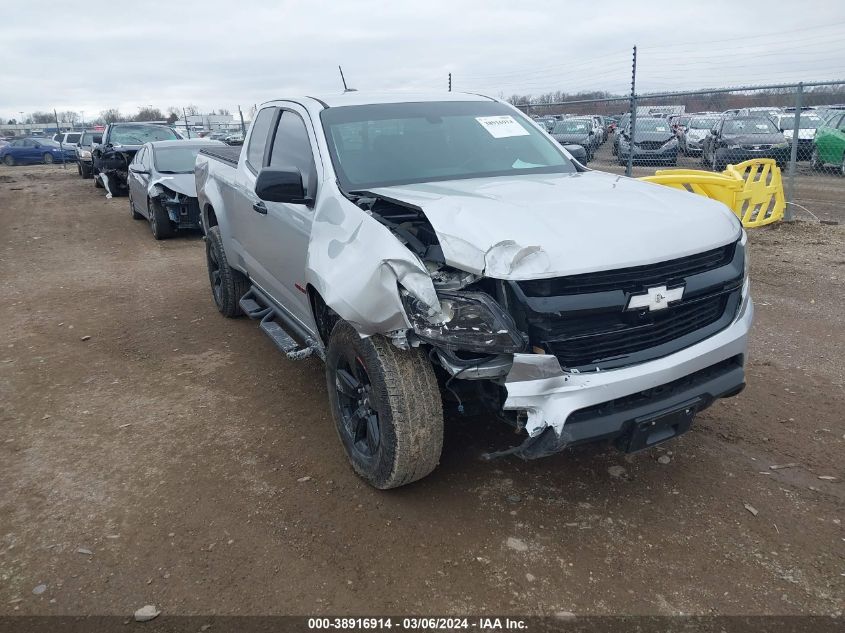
373, 433
347, 384
359, 420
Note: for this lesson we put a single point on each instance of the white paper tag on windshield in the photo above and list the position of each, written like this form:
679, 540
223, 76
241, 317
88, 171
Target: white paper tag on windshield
502, 126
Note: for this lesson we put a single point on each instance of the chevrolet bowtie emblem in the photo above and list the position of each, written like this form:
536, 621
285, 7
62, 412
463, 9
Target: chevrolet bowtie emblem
657, 298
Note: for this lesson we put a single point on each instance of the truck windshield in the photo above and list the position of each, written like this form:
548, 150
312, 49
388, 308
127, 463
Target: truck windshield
140, 134
176, 160
388, 144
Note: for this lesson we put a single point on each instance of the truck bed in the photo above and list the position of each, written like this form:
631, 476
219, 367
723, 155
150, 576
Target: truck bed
228, 154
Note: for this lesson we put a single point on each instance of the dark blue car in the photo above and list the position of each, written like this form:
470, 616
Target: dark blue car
29, 151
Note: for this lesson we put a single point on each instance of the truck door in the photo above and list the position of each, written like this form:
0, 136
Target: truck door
281, 243
247, 220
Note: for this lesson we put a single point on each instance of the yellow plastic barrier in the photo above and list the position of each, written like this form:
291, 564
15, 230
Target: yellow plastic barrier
753, 189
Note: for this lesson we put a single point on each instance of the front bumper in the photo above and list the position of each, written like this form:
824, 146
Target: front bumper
664, 154
734, 156
692, 147
564, 409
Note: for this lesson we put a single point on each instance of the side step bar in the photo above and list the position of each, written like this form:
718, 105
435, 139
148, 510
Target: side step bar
276, 324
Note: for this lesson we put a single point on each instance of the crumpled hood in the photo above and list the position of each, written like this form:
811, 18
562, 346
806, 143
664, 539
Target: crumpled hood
180, 183
537, 226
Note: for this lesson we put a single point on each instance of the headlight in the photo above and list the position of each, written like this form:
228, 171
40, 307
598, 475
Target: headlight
735, 146
84, 153
470, 321
671, 142
781, 146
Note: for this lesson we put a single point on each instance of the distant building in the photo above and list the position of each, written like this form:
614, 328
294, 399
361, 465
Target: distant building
209, 123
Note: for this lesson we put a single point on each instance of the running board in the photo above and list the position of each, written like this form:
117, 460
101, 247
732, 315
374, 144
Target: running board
273, 322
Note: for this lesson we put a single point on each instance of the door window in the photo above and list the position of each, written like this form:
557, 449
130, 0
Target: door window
292, 148
258, 138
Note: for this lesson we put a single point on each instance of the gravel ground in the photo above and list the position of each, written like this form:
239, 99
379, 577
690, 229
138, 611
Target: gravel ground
163, 460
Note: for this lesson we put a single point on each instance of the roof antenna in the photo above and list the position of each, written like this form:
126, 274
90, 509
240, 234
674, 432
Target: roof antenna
343, 79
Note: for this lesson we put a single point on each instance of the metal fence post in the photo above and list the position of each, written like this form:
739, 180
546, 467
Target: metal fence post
630, 166
793, 157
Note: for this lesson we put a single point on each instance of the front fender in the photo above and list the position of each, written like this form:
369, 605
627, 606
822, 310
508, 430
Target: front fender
357, 266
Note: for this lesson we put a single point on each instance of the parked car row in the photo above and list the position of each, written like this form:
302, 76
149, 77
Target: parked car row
31, 151
153, 165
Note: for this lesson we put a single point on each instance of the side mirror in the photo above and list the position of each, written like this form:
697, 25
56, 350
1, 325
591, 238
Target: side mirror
578, 153
137, 169
281, 184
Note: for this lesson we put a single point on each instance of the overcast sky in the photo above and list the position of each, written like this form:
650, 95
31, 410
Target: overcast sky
95, 55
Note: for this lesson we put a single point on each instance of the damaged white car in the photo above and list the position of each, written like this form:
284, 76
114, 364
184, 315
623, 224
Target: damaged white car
441, 252
162, 187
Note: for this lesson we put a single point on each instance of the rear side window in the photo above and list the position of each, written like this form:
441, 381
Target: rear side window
292, 148
258, 138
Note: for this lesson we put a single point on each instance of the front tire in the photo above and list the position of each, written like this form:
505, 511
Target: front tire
227, 284
47, 159
386, 407
9, 160
159, 222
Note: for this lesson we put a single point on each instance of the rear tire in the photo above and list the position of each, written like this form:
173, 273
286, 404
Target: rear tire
227, 284
9, 160
47, 159
386, 406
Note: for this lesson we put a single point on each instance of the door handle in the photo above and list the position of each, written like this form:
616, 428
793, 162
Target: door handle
260, 207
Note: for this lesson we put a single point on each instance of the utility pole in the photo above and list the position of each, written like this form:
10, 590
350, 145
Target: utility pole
83, 118
243, 127
450, 82
187, 129
630, 166
793, 156
61, 145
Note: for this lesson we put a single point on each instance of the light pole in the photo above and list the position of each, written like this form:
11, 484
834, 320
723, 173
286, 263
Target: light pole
82, 112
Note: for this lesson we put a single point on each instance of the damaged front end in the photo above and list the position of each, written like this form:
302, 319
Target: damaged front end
112, 163
181, 209
566, 360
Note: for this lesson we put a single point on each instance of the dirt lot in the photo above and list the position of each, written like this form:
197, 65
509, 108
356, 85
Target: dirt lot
160, 461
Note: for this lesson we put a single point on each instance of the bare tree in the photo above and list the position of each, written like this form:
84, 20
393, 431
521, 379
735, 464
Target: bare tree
112, 115
223, 112
69, 116
42, 117
192, 109
149, 114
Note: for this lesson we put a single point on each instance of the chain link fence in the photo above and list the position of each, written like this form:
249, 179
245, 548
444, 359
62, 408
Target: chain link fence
709, 129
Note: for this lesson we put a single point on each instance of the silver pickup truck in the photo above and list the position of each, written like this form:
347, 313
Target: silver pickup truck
439, 251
